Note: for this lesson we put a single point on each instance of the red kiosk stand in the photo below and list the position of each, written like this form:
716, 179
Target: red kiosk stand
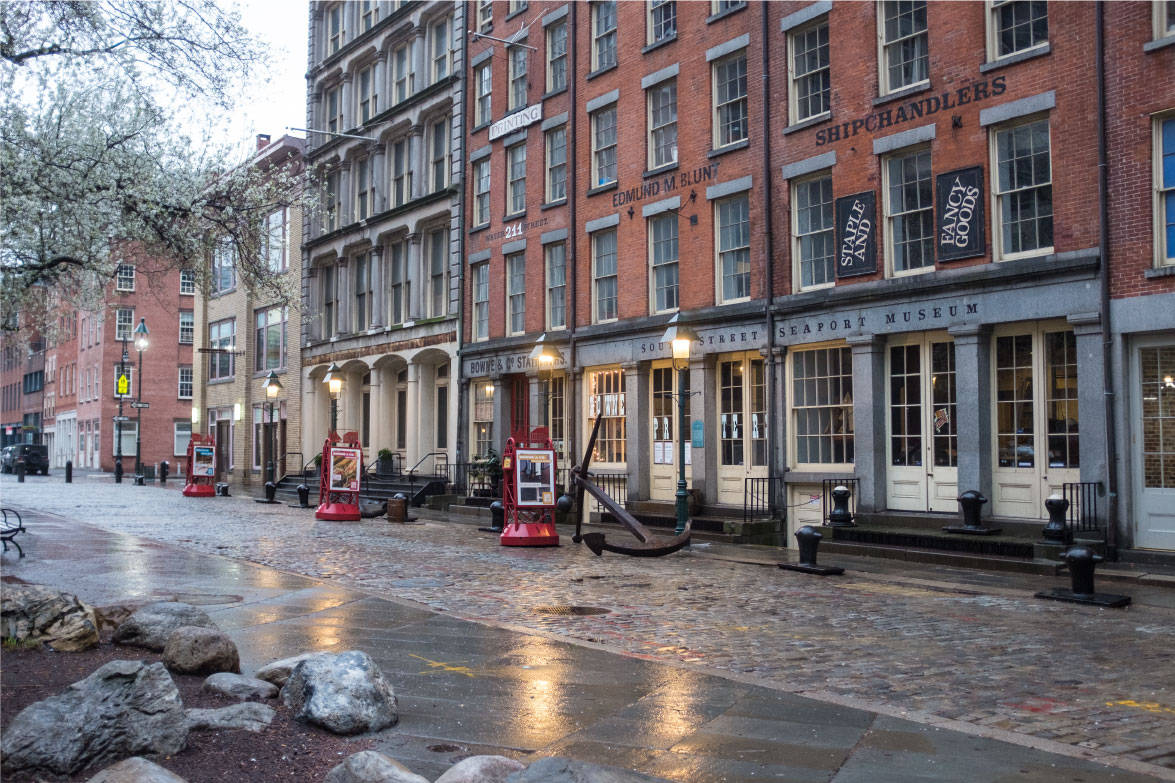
338, 483
528, 491
201, 467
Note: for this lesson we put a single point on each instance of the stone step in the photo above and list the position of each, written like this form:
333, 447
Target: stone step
1027, 529
935, 540
829, 549
731, 530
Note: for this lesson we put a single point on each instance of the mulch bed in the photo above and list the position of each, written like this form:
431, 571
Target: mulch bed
286, 750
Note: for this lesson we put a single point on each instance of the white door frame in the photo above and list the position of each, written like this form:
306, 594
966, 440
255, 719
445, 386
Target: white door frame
731, 479
1154, 508
663, 467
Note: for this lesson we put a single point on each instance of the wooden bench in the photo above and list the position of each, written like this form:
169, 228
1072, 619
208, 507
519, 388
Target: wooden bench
8, 529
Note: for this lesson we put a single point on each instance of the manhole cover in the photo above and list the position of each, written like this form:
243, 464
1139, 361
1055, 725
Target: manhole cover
574, 610
206, 599
444, 748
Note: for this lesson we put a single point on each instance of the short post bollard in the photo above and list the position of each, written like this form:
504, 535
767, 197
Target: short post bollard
497, 516
69, 471
138, 479
20, 468
808, 539
303, 496
1082, 560
1057, 531
118, 471
270, 491
163, 471
840, 516
971, 506
222, 489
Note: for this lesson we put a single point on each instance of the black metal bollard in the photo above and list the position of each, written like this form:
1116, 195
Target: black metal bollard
808, 539
163, 470
20, 469
1082, 560
1057, 531
118, 471
138, 479
971, 506
304, 495
498, 516
69, 471
270, 492
840, 516
222, 489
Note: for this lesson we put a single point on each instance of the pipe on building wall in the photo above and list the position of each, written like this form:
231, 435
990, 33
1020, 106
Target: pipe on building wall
570, 387
768, 316
456, 376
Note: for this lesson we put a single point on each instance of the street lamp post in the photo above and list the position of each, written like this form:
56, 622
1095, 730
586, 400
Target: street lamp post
273, 388
334, 382
118, 419
141, 333
681, 337
545, 356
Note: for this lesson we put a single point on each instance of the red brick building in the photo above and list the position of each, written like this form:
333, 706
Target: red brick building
60, 397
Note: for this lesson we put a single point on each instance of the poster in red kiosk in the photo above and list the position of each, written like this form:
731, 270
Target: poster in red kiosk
200, 469
339, 481
528, 491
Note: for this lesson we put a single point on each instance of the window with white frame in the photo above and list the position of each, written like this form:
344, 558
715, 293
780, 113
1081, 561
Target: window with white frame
187, 326
361, 284
905, 52
222, 340
1165, 191
368, 14
187, 281
273, 241
481, 192
333, 104
518, 80
909, 211
603, 34
556, 179
224, 276
810, 73
661, 20
184, 392
822, 406
364, 188
1016, 26
556, 56
269, 338
483, 81
329, 286
733, 228
331, 202
606, 396
398, 283
516, 293
124, 322
481, 301
730, 100
516, 179
129, 431
662, 124
555, 260
124, 278
404, 80
514, 6
438, 273
1023, 188
604, 280
439, 48
604, 146
483, 417
401, 172
1164, 18
258, 435
334, 28
439, 154
812, 232
368, 94
722, 6
485, 16
663, 261
182, 436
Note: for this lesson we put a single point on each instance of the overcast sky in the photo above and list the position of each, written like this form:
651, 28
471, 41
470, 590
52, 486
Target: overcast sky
281, 101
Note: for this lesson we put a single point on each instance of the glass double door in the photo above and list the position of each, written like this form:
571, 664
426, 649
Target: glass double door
666, 434
1154, 445
742, 423
922, 443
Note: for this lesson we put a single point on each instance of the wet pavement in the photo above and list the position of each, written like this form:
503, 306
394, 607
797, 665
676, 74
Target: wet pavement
701, 668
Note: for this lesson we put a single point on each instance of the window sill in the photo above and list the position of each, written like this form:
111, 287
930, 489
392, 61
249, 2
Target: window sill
514, 216
219, 381
480, 127
553, 93
738, 145
600, 72
808, 123
477, 229
1158, 43
1162, 271
723, 14
1027, 256
602, 189
904, 92
1018, 57
658, 44
668, 167
552, 204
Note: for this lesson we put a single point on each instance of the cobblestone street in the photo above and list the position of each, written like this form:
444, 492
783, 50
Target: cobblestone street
915, 645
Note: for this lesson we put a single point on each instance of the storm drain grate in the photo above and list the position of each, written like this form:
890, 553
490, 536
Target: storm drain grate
445, 748
571, 610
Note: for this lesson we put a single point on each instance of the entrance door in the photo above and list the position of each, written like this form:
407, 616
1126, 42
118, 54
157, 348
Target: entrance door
742, 424
1035, 418
1154, 446
519, 406
923, 444
223, 447
666, 435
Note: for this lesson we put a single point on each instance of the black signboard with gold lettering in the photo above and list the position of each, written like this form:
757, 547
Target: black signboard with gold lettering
959, 214
856, 235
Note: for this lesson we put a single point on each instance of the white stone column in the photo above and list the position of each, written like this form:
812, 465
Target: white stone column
412, 441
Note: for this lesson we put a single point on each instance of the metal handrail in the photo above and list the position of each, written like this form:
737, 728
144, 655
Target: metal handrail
445, 454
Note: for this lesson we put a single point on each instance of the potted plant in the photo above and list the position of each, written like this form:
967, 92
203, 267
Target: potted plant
384, 462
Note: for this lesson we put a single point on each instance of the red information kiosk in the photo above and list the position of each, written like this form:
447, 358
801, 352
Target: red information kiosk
201, 467
338, 484
528, 491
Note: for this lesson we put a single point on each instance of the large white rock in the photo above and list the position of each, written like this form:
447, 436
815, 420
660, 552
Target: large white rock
344, 693
151, 626
136, 770
481, 769
248, 715
39, 614
239, 686
125, 708
194, 650
371, 766
278, 672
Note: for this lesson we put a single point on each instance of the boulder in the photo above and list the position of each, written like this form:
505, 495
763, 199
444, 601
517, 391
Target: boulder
33, 613
248, 715
194, 650
239, 687
371, 766
344, 693
481, 769
114, 615
279, 671
136, 770
125, 708
555, 769
151, 626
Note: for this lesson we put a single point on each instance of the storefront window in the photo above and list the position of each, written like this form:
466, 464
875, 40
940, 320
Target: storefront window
606, 396
822, 406
483, 417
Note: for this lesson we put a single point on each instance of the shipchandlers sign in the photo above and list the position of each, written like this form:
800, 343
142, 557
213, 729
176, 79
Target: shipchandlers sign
856, 235
959, 215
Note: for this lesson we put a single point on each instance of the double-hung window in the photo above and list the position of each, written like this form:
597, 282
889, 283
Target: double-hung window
481, 192
439, 154
187, 281
273, 241
187, 326
334, 110
518, 80
604, 280
184, 392
663, 261
604, 147
334, 28
1016, 26
368, 14
811, 84
822, 406
269, 338
124, 279
663, 124
361, 277
481, 301
124, 322
556, 147
331, 203
1164, 18
223, 268
403, 77
483, 80
909, 211
662, 20
368, 94
485, 16
516, 292
905, 52
555, 257
730, 100
1165, 190
364, 188
398, 284
557, 56
812, 232
516, 179
438, 277
439, 48
603, 34
222, 339
330, 308
733, 228
401, 172
1023, 188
